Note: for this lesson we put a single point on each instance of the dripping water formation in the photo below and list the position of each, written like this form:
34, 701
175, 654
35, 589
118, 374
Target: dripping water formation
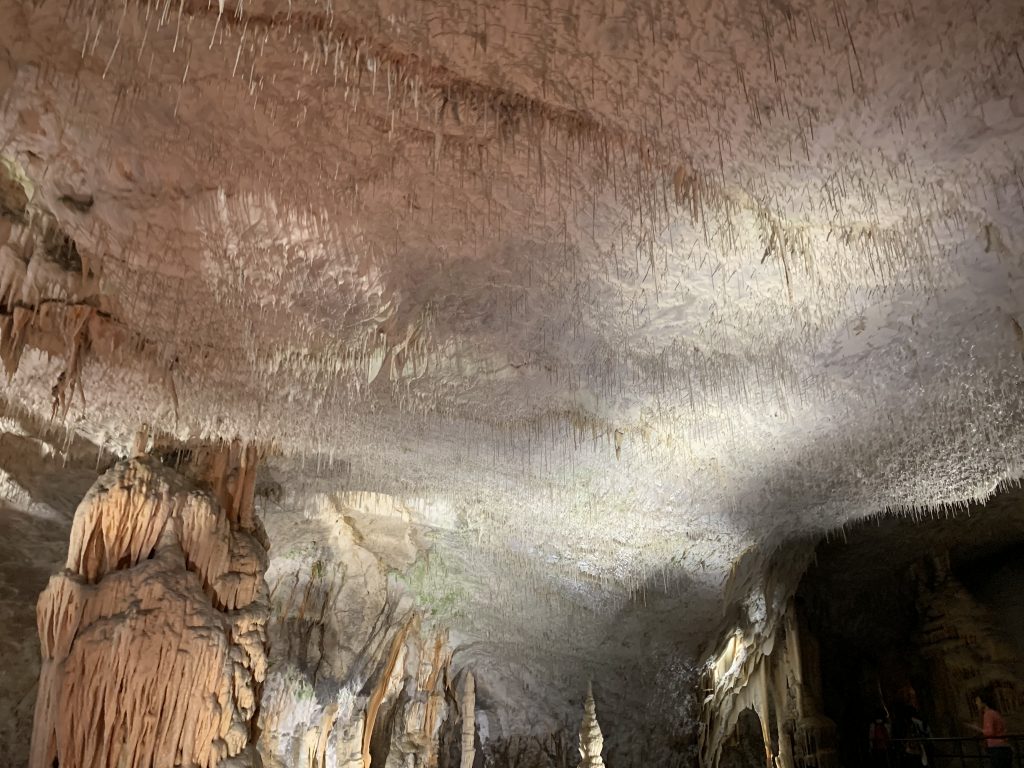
511, 384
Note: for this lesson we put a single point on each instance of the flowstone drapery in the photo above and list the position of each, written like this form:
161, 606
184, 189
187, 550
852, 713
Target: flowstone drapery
153, 639
776, 673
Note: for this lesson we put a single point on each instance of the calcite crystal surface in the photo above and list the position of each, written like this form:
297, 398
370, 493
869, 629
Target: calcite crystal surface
539, 325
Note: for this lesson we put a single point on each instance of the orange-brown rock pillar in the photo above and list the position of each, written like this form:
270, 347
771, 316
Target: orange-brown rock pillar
152, 637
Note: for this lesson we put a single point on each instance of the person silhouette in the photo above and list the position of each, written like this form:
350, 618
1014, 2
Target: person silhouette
993, 731
878, 740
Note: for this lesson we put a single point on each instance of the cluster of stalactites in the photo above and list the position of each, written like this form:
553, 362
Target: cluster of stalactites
153, 636
591, 738
774, 670
228, 469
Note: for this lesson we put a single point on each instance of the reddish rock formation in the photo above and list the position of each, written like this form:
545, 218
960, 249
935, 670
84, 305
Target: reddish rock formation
153, 636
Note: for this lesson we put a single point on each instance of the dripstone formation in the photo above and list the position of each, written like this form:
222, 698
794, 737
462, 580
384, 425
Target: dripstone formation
153, 637
428, 359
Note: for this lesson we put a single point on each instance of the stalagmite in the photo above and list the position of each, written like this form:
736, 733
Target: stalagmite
380, 690
591, 738
153, 637
468, 721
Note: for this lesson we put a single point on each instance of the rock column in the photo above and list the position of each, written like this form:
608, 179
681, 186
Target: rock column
153, 639
468, 721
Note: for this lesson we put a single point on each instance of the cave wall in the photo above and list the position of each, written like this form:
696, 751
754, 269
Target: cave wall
347, 638
44, 473
767, 661
777, 676
997, 582
747, 747
343, 637
959, 638
720, 324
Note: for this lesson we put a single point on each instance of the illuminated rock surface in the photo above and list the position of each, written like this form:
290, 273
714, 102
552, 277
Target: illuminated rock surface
552, 321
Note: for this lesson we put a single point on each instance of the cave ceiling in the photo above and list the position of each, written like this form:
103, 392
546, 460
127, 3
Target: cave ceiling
606, 293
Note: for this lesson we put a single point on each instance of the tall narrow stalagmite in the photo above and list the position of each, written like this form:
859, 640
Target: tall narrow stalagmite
591, 738
380, 691
153, 639
468, 721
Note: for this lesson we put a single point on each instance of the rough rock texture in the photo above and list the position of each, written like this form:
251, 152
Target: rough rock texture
964, 647
153, 637
769, 664
605, 293
356, 675
927, 607
43, 476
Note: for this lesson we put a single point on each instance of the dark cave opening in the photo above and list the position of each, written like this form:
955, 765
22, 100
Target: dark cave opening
746, 749
914, 617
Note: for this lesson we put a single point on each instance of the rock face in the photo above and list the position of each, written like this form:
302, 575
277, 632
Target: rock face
358, 674
562, 282
963, 648
153, 636
43, 477
310, 724
602, 293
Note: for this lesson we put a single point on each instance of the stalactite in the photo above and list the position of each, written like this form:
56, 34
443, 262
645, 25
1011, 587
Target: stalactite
309, 347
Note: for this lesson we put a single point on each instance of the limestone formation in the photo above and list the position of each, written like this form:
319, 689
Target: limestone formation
51, 301
962, 647
468, 711
769, 669
541, 318
591, 738
153, 637
347, 640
